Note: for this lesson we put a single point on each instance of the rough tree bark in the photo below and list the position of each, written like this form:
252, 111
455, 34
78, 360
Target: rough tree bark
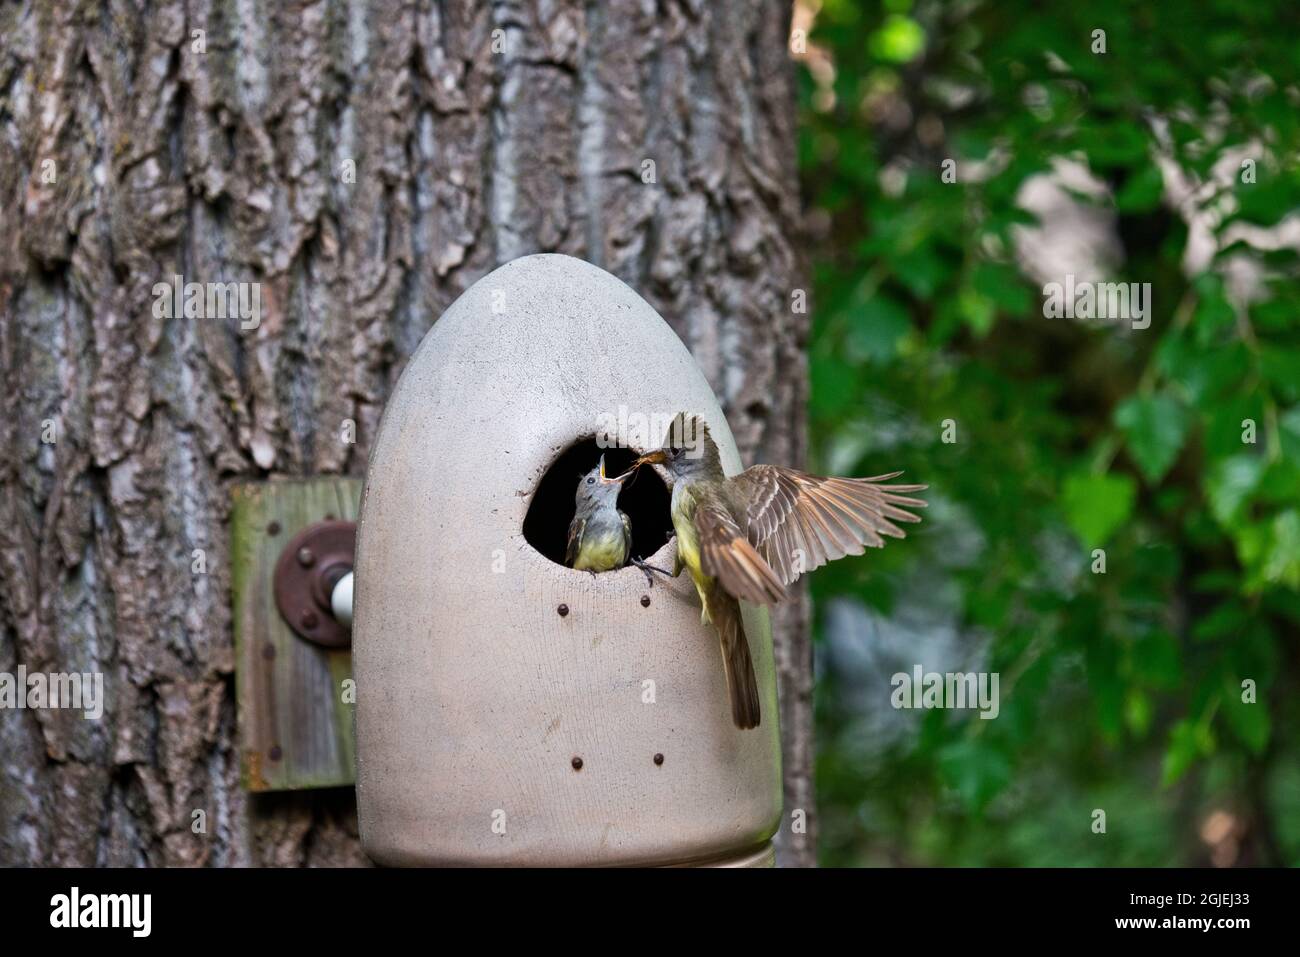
225, 156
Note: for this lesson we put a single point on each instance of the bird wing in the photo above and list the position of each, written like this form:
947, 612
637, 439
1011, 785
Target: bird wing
726, 555
575, 540
627, 534
799, 522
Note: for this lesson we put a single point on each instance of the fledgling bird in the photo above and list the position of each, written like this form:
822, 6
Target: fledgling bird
747, 537
600, 535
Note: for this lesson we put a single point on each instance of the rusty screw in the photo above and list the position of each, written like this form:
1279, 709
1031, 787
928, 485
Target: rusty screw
659, 759
577, 764
306, 558
563, 610
308, 619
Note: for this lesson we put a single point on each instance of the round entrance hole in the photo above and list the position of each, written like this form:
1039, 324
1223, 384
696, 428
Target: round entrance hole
644, 498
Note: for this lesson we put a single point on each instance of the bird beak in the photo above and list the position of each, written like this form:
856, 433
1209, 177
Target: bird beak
658, 457
616, 480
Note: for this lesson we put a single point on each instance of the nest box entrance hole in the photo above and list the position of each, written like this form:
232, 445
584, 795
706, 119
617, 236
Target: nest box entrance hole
644, 498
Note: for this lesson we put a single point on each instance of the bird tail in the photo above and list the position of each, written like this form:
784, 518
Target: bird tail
742, 683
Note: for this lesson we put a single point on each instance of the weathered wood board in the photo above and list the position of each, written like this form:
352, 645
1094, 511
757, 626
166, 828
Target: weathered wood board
296, 729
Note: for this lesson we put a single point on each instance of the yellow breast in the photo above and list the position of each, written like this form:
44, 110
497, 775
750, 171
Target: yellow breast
601, 553
688, 540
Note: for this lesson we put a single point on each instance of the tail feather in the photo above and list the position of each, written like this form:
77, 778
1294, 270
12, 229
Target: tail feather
742, 683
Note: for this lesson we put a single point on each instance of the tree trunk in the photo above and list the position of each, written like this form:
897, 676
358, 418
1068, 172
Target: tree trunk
364, 162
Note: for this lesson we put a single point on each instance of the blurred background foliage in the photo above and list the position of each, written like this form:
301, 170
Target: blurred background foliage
1171, 158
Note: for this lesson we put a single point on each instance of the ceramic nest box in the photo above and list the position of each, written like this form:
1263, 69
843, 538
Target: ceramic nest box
511, 710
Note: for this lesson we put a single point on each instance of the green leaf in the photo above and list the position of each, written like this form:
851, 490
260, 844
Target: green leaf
1205, 373
1114, 144
1180, 753
921, 271
1281, 367
1137, 712
1223, 430
977, 310
1264, 202
1187, 742
1096, 505
1154, 659
1155, 426
1225, 622
1213, 311
1004, 286
1142, 192
834, 388
898, 40
1249, 722
1282, 563
976, 772
1230, 483
1289, 433
878, 324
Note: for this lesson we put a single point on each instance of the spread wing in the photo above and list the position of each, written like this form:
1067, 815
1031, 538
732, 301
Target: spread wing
575, 539
727, 555
799, 522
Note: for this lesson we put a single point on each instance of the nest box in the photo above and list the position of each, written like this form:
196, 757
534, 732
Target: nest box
511, 710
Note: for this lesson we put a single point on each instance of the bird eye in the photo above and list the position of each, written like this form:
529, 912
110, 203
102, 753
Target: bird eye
591, 481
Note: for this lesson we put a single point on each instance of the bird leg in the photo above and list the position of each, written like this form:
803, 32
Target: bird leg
647, 568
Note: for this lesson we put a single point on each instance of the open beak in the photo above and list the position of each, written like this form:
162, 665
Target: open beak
657, 457
616, 480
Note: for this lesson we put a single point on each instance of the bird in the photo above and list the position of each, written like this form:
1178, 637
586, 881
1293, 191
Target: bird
600, 535
749, 537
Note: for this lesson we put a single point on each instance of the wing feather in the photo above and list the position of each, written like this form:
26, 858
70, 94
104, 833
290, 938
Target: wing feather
575, 540
797, 521
726, 555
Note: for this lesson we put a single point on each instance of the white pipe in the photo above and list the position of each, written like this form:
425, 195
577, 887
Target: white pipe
341, 600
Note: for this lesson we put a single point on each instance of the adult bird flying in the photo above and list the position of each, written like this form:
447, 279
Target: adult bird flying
747, 537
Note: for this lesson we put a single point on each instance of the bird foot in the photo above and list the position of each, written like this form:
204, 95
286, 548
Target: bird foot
647, 568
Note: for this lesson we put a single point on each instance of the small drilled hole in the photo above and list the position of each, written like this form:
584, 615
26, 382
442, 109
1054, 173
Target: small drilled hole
659, 759
577, 764
563, 610
645, 601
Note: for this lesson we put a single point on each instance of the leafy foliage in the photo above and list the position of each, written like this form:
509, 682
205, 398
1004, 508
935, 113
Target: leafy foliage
1175, 448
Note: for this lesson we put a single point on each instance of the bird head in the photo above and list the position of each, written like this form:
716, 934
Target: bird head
599, 487
688, 450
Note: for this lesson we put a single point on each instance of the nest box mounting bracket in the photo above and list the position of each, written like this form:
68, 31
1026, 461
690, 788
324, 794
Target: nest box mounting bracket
307, 578
291, 554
